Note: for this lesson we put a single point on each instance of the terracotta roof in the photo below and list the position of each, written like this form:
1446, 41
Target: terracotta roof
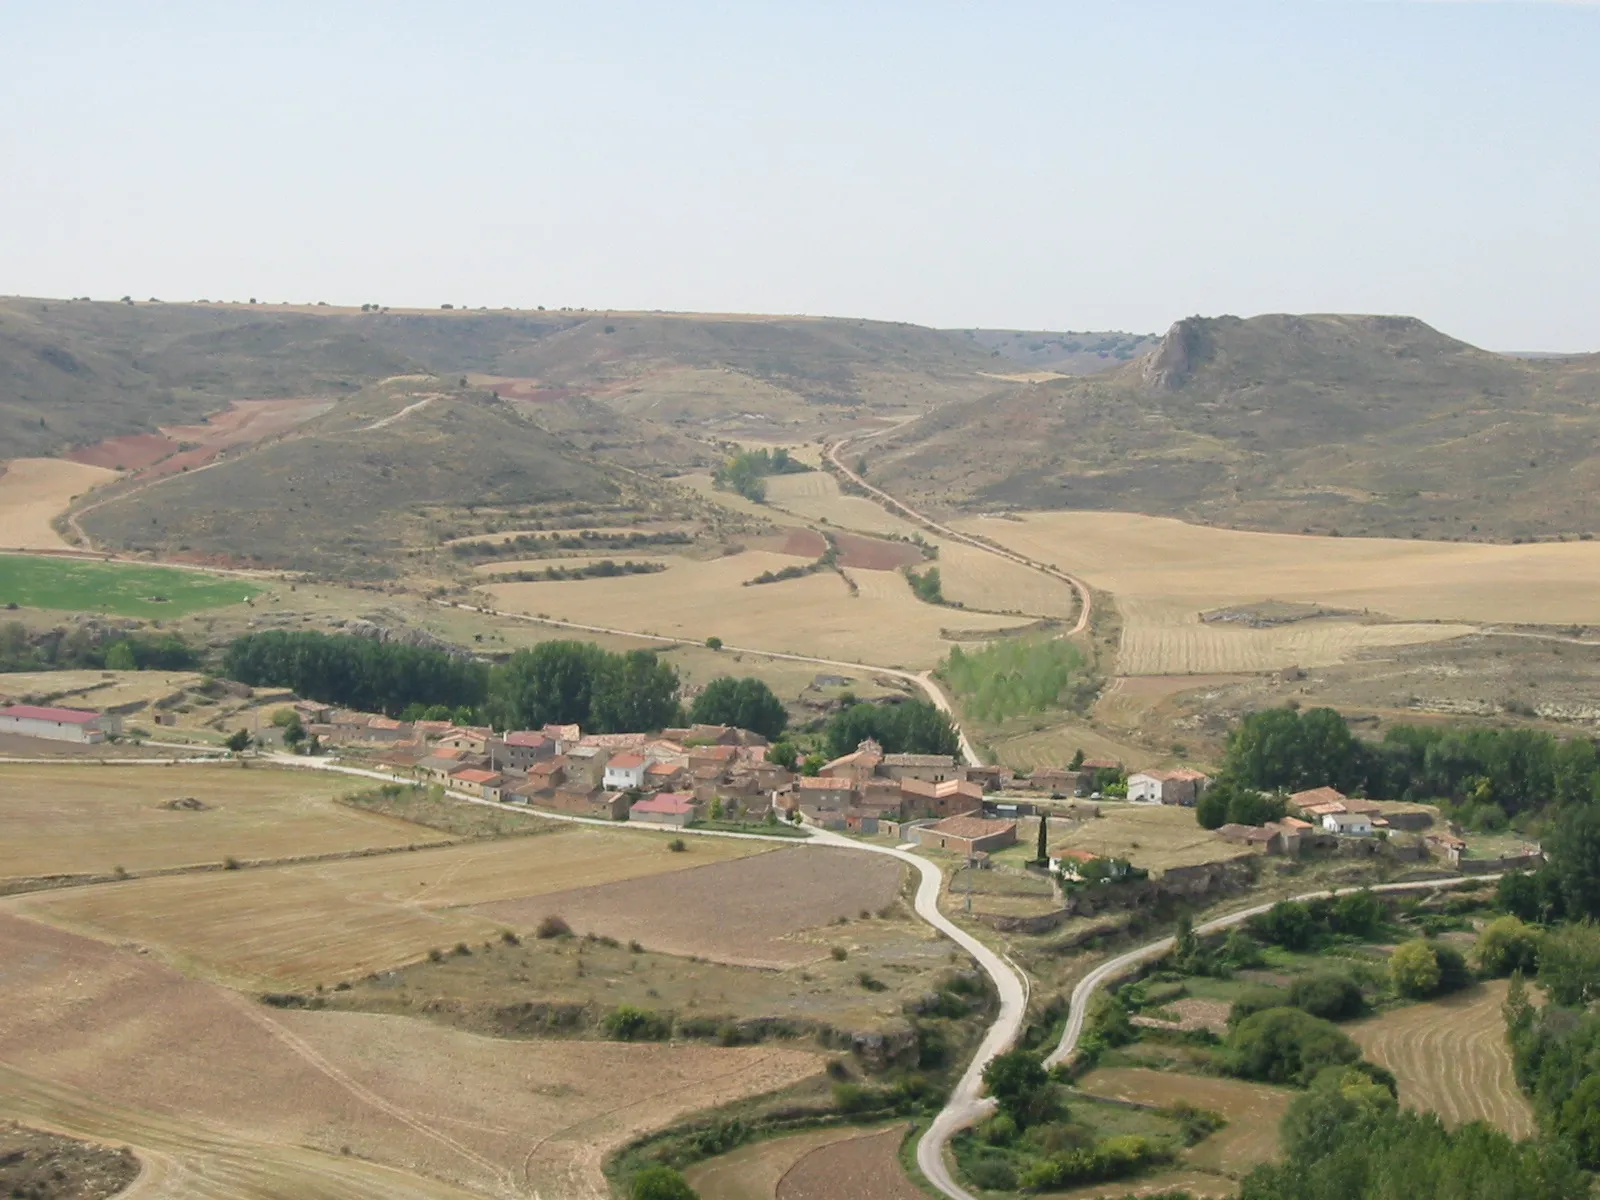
1075, 854
719, 753
63, 716
1180, 774
662, 768
675, 803
625, 762
1321, 795
548, 767
1100, 764
474, 775
1296, 823
1325, 809
972, 827
524, 737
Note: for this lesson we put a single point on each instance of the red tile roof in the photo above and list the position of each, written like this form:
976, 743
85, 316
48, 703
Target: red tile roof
474, 775
972, 827
64, 716
625, 762
667, 803
524, 737
1321, 795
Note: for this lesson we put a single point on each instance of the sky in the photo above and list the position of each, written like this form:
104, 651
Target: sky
1115, 165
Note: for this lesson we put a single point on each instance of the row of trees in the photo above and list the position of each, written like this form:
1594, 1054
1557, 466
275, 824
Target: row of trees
1511, 771
907, 727
356, 672
746, 472
82, 649
580, 683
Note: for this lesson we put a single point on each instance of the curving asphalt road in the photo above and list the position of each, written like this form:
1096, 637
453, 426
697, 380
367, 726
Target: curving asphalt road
1124, 964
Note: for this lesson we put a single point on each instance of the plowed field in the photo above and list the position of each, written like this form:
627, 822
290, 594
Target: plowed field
861, 1168
1451, 1057
752, 1172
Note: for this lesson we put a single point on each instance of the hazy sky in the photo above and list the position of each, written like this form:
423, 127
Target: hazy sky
1052, 165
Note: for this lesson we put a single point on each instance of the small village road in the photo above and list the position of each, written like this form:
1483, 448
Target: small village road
1085, 596
1125, 964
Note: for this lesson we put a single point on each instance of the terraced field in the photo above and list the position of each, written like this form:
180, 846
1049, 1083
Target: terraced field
1252, 1111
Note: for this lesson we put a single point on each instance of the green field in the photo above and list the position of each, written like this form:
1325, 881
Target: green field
123, 589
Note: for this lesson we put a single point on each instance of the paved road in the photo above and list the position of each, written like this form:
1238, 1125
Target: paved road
1125, 964
1085, 596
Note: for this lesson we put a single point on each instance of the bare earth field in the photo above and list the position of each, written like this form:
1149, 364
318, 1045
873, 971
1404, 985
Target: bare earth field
1450, 1056
748, 911
1253, 1111
752, 1172
227, 1097
814, 614
298, 926
77, 819
34, 492
1164, 572
860, 1168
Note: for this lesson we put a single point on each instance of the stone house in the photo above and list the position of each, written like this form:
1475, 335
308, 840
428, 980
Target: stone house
968, 835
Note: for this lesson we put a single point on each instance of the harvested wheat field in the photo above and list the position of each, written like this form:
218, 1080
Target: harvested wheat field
34, 492
982, 580
1450, 1056
76, 819
1200, 1184
1055, 745
99, 689
1253, 1111
816, 496
815, 614
1202, 567
298, 926
229, 1097
1151, 836
858, 1168
752, 1172
748, 912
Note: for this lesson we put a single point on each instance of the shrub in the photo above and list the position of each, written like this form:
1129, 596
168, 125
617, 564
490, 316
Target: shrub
1257, 999
510, 938
554, 927
993, 1175
869, 981
677, 845
1329, 996
230, 863
661, 1183
839, 953
629, 1024
1414, 970
1507, 945
1286, 1045
1113, 1158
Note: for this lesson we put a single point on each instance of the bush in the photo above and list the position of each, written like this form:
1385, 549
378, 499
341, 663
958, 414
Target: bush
553, 927
661, 1183
677, 845
1257, 999
1414, 970
993, 1175
1113, 1158
839, 953
629, 1024
1286, 1045
1507, 945
1329, 996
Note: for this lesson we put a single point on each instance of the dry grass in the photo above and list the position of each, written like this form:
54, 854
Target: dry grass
1164, 572
298, 926
1152, 836
1199, 1184
1451, 1057
851, 1168
751, 911
79, 819
228, 1098
1252, 1109
752, 1172
979, 579
816, 496
1055, 745
816, 615
35, 491
99, 689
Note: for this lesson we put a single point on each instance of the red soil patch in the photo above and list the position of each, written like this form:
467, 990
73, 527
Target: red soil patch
153, 455
132, 452
863, 1168
875, 554
803, 543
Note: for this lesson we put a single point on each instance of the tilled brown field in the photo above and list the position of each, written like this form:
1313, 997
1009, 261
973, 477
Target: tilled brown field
227, 1097
746, 912
862, 1168
1451, 1057
752, 1172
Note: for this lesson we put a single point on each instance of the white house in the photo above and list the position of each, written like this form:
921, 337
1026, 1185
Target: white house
1348, 824
626, 771
1178, 786
59, 724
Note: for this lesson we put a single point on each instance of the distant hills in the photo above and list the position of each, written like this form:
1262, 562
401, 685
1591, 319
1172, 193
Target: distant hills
1348, 424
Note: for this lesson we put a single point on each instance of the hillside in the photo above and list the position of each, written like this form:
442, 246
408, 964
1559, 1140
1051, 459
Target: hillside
397, 467
1348, 424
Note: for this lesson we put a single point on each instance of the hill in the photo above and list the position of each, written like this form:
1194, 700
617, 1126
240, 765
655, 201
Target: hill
1347, 424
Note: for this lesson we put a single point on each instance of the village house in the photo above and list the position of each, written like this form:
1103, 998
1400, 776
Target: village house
625, 772
547, 775
583, 801
1446, 846
968, 835
441, 764
1267, 839
860, 821
59, 724
431, 730
832, 795
1180, 785
1089, 772
930, 768
469, 738
477, 781
720, 757
949, 798
1056, 781
385, 730
564, 736
521, 748
991, 778
662, 776
860, 763
1347, 824
1326, 799
586, 763
665, 808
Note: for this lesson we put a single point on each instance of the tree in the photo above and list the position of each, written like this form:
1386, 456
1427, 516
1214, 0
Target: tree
1574, 850
1042, 850
1414, 970
1211, 810
783, 754
120, 657
1021, 1087
1286, 1045
716, 808
1357, 914
1569, 964
661, 1183
1506, 945
713, 643
1327, 995
813, 765
1579, 1122
238, 740
1077, 760
909, 727
744, 703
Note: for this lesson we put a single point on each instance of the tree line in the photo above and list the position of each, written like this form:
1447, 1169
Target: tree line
87, 650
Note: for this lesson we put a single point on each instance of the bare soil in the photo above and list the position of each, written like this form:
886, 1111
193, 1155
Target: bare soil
862, 1168
35, 1165
875, 554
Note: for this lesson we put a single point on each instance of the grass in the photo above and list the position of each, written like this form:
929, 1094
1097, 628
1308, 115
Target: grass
121, 589
1017, 676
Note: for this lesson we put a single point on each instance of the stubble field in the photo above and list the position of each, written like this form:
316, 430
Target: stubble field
314, 923
1451, 1057
76, 819
1153, 836
226, 1097
34, 492
1165, 572
851, 1168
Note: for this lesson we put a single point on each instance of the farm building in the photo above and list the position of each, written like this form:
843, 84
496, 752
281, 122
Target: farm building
1053, 780
476, 781
931, 768
1268, 839
1178, 786
625, 771
59, 724
968, 835
1348, 824
665, 808
948, 798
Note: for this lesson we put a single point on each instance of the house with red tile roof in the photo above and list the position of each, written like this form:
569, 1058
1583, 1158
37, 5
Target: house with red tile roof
665, 808
968, 835
625, 771
478, 781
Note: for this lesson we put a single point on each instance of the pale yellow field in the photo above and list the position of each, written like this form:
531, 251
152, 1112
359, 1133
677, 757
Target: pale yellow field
979, 579
1166, 637
298, 926
34, 492
816, 496
1055, 746
98, 689
74, 819
815, 615
1164, 573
